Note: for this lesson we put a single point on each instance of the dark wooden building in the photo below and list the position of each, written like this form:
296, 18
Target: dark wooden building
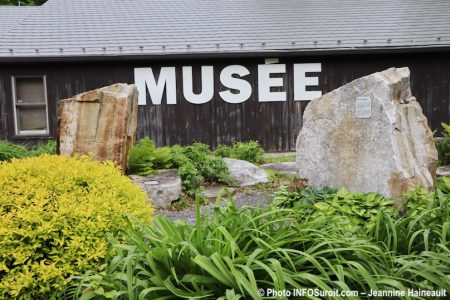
215, 71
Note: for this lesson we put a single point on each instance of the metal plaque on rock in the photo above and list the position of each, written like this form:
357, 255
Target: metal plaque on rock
363, 108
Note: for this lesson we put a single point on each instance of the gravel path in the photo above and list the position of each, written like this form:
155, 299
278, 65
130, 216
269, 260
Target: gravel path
251, 199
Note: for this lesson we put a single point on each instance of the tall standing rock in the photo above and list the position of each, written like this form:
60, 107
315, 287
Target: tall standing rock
101, 121
368, 135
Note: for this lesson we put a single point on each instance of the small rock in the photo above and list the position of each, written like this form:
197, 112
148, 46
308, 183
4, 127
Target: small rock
245, 173
211, 192
443, 171
257, 199
283, 167
162, 188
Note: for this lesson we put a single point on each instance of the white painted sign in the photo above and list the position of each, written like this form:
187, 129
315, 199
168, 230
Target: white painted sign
237, 89
363, 108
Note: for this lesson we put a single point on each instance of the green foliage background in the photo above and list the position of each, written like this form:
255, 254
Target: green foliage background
22, 2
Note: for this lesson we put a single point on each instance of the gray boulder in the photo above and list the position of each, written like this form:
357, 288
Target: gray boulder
245, 173
368, 135
162, 188
282, 167
443, 171
211, 192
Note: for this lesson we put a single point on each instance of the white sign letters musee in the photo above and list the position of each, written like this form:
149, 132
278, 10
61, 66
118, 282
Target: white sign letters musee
231, 78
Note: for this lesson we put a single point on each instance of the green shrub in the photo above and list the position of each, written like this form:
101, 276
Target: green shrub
46, 148
360, 208
223, 151
443, 146
54, 214
196, 151
195, 163
140, 158
238, 251
162, 158
144, 158
191, 177
9, 150
249, 151
212, 168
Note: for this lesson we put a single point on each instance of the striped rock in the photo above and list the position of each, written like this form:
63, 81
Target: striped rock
102, 122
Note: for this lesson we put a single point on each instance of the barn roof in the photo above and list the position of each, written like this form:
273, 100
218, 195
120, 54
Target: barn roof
153, 28
10, 16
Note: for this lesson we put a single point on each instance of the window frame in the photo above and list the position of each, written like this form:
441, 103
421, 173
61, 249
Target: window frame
18, 132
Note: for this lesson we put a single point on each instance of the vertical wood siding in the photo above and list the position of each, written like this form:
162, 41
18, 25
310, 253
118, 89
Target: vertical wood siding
275, 125
3, 115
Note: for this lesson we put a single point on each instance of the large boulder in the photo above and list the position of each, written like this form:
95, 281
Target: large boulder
163, 188
245, 173
102, 122
368, 135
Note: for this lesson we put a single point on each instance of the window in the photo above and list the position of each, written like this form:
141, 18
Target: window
30, 105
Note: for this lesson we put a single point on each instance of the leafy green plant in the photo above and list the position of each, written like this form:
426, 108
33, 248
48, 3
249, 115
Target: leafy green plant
443, 146
54, 214
360, 208
249, 151
162, 158
417, 200
443, 185
191, 177
140, 158
235, 252
224, 151
212, 168
9, 150
46, 148
424, 229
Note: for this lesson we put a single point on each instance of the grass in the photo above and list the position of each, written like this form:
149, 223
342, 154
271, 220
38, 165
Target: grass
271, 158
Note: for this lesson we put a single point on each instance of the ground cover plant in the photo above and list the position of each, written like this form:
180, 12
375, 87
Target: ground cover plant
9, 150
239, 251
55, 212
443, 146
360, 208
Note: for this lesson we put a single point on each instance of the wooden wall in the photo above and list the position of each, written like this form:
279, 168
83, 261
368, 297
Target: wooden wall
3, 115
276, 124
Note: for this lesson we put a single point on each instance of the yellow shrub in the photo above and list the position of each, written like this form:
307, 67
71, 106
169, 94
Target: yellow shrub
54, 214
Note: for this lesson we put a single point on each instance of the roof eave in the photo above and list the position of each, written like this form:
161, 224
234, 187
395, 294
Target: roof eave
225, 54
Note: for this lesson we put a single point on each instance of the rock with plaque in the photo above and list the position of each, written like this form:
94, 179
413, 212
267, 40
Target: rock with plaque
369, 136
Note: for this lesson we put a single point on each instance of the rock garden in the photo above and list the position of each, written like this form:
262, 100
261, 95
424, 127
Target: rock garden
362, 208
